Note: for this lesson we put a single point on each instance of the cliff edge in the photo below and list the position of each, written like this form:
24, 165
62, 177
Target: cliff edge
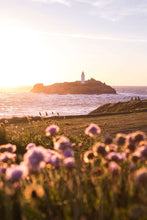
89, 87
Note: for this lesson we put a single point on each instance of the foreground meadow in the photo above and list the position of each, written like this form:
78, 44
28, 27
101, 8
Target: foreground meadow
68, 168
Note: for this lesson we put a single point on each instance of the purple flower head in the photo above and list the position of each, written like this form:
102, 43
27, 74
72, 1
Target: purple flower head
3, 169
136, 156
15, 173
80, 145
8, 148
52, 130
111, 148
99, 149
92, 130
48, 156
68, 152
69, 162
73, 145
138, 136
61, 143
115, 156
35, 158
56, 160
143, 151
114, 169
88, 156
120, 139
141, 177
7, 156
108, 140
30, 146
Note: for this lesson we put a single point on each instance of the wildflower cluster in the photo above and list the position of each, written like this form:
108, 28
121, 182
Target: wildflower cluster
37, 157
131, 148
60, 179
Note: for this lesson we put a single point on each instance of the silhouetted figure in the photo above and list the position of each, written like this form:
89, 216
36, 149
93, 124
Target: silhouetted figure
52, 113
58, 113
40, 114
46, 113
131, 98
138, 98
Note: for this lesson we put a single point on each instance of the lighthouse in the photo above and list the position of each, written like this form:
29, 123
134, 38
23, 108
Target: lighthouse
82, 78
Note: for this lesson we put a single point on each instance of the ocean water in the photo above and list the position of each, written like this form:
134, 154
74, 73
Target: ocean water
24, 103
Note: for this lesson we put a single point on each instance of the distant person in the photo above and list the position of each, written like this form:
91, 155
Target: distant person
52, 113
40, 114
138, 98
46, 113
58, 113
131, 98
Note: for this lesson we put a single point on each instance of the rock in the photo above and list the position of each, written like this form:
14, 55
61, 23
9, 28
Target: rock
89, 87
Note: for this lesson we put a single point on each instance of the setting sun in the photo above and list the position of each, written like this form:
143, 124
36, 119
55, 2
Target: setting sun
24, 57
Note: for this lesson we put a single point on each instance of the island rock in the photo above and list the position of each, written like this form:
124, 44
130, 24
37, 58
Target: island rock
89, 87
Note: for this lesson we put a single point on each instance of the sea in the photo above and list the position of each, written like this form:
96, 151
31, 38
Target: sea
20, 103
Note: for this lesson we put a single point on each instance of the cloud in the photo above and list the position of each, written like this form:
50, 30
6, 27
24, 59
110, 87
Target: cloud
94, 37
107, 9
63, 2
116, 9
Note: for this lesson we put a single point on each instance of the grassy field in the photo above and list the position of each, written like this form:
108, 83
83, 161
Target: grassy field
73, 126
91, 188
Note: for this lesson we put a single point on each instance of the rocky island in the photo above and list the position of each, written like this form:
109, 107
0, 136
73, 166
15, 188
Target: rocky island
88, 87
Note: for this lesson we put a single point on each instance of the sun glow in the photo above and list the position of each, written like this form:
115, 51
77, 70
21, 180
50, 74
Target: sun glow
24, 57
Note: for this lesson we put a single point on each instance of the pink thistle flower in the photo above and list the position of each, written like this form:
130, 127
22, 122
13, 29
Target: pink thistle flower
69, 162
52, 130
136, 156
108, 140
99, 149
68, 152
92, 130
35, 158
116, 156
61, 143
48, 156
114, 168
88, 156
138, 136
3, 169
7, 156
80, 145
30, 146
111, 148
143, 151
56, 160
141, 177
17, 172
120, 139
8, 148
73, 145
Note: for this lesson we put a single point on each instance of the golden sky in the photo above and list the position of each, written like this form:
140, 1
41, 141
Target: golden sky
54, 41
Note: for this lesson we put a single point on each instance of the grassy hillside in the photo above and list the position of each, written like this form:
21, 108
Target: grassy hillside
31, 129
121, 107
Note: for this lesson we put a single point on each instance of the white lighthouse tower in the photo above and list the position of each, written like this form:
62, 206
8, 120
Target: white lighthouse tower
82, 78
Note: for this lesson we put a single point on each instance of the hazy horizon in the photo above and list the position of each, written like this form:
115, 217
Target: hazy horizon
51, 41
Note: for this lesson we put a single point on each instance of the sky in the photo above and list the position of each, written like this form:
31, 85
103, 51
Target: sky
49, 41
